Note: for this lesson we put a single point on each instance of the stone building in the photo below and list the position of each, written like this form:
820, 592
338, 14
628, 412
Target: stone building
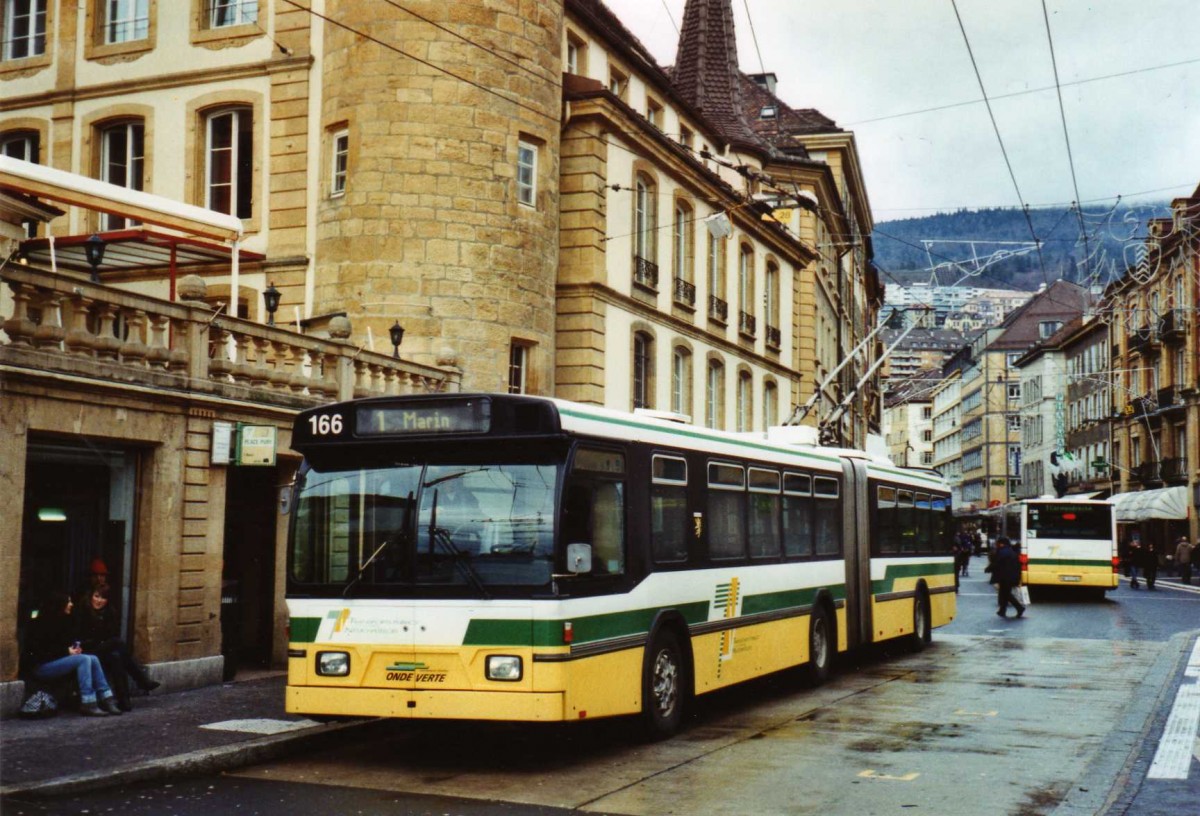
520, 187
1151, 314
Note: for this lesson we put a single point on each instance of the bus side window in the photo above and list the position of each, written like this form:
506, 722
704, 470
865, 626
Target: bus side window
887, 518
670, 521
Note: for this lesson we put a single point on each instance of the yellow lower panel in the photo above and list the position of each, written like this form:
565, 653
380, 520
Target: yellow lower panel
734, 655
892, 618
943, 607
448, 705
603, 686
1068, 577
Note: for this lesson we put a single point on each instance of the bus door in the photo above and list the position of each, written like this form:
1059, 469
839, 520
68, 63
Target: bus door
856, 546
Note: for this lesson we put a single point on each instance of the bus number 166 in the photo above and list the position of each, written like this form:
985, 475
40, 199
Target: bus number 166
325, 424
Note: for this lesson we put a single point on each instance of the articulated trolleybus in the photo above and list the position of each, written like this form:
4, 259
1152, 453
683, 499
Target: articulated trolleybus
1070, 543
503, 557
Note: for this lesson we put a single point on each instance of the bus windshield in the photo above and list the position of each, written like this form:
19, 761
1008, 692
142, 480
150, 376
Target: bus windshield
374, 531
1079, 521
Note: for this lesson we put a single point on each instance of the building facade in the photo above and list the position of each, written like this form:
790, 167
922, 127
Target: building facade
533, 205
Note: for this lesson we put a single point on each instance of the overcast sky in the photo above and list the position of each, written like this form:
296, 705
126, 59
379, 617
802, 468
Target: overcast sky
867, 63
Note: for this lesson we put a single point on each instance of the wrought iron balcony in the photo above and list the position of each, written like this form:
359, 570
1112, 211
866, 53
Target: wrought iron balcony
685, 293
774, 337
645, 273
717, 308
1144, 340
747, 324
1169, 398
1175, 469
1148, 472
1173, 326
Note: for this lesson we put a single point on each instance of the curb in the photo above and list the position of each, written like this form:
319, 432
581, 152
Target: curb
206, 761
1105, 783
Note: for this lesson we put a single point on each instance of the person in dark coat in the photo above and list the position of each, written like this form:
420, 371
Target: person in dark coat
53, 649
1150, 563
1006, 574
99, 633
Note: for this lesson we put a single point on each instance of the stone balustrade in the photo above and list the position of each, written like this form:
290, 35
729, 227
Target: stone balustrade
65, 325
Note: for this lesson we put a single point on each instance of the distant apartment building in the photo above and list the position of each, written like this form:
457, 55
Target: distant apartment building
947, 442
1088, 413
908, 420
920, 349
969, 304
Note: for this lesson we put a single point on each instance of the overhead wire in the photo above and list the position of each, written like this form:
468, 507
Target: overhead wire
999, 138
1062, 112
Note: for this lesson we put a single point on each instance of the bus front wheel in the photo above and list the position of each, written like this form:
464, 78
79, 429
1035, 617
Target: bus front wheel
663, 686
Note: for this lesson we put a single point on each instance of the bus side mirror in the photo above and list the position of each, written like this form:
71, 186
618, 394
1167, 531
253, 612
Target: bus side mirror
579, 558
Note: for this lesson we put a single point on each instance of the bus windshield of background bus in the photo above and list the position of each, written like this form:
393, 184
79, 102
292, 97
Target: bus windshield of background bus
460, 525
1070, 521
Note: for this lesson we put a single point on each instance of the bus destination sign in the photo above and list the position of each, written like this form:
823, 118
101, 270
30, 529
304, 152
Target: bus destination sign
467, 416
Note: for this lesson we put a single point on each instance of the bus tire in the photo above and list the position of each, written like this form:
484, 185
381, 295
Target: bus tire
663, 683
820, 648
922, 633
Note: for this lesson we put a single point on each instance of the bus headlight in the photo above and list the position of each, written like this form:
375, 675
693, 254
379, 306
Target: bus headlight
504, 667
333, 664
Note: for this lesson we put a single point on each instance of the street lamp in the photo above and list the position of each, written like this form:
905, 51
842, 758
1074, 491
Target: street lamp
93, 248
397, 335
271, 301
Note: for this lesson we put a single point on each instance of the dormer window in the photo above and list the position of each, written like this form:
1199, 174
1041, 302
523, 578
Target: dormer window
768, 112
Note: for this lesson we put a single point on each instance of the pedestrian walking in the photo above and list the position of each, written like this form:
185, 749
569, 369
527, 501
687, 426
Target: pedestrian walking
1150, 563
1183, 559
1006, 574
1133, 560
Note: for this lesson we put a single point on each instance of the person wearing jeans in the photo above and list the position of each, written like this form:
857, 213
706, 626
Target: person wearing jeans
56, 653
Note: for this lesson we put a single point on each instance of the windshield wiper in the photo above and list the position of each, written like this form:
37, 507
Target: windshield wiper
403, 533
441, 536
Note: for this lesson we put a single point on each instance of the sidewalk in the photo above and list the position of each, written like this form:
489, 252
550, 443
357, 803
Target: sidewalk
165, 735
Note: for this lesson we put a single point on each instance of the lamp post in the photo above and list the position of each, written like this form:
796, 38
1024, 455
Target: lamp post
397, 336
93, 248
271, 302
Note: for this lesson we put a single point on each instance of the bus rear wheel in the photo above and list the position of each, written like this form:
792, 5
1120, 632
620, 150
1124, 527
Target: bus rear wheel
922, 633
820, 648
663, 675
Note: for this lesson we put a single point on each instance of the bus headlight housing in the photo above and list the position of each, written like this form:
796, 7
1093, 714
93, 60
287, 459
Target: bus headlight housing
333, 664
506, 668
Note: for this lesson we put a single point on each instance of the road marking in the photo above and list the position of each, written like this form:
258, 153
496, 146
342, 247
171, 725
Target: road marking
962, 712
869, 774
260, 726
1174, 755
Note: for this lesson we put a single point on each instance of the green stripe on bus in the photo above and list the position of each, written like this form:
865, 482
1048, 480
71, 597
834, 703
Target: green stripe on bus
303, 630
785, 599
1070, 562
898, 571
492, 632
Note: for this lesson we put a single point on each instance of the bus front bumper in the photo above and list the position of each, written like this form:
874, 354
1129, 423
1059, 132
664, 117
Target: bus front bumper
443, 705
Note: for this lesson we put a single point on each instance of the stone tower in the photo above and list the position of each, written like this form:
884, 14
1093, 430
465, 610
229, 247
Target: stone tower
431, 229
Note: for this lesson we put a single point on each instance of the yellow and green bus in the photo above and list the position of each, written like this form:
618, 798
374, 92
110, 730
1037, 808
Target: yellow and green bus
1069, 543
506, 557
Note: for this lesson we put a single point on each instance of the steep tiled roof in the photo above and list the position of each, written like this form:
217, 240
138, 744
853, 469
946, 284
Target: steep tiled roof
706, 71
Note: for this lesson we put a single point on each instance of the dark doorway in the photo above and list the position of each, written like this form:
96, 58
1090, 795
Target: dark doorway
248, 575
79, 506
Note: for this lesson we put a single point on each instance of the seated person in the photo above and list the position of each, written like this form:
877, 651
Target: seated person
99, 631
54, 652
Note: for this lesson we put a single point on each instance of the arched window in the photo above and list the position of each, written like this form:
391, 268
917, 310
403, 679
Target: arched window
229, 161
644, 219
23, 31
747, 322
122, 158
714, 395
681, 381
771, 304
681, 255
770, 405
745, 402
643, 363
717, 305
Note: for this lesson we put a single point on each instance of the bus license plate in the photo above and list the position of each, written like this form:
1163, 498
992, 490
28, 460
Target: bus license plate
1069, 578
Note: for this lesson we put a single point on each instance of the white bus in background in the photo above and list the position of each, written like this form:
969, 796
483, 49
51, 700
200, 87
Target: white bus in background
1068, 542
